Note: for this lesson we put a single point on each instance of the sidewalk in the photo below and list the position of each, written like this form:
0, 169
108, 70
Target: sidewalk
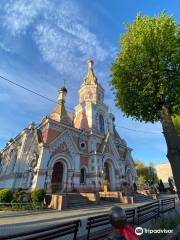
24, 221
17, 222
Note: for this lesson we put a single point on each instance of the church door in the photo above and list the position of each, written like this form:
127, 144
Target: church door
107, 175
57, 178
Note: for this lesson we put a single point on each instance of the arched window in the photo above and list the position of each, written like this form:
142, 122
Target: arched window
83, 176
101, 124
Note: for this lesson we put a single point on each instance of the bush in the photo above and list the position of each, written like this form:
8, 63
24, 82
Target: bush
20, 195
6, 196
38, 195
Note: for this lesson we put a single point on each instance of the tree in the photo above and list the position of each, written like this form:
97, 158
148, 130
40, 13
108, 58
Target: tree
146, 173
138, 164
161, 186
171, 186
176, 121
146, 78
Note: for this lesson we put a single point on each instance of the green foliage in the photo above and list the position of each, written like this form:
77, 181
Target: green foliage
138, 164
176, 121
145, 173
38, 196
145, 73
6, 196
19, 195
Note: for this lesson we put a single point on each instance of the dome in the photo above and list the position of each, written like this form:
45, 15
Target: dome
63, 89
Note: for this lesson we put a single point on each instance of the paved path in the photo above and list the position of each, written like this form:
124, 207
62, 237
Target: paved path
26, 217
24, 221
18, 222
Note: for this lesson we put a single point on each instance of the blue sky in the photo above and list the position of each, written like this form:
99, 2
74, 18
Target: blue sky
44, 42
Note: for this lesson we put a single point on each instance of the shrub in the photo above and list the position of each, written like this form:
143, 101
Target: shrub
20, 195
6, 196
38, 195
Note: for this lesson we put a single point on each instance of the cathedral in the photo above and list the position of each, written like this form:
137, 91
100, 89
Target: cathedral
70, 151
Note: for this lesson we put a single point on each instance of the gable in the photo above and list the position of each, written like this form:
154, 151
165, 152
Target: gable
63, 143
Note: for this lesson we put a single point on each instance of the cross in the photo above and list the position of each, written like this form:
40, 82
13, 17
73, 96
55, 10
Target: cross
64, 82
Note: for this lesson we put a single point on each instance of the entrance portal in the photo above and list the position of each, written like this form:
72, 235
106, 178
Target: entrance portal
107, 175
57, 177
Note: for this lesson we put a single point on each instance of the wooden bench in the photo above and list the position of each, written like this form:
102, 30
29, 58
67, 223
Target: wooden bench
147, 212
55, 231
167, 205
103, 220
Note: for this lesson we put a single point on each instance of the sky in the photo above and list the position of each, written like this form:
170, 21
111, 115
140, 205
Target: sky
44, 42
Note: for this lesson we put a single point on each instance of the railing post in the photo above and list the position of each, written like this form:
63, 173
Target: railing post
89, 227
76, 229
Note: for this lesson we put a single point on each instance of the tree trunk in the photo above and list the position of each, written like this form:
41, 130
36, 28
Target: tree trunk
173, 145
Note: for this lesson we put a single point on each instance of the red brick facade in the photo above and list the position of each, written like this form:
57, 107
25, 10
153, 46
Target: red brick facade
49, 135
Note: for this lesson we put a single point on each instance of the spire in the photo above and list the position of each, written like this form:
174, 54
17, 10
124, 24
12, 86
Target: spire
90, 77
60, 108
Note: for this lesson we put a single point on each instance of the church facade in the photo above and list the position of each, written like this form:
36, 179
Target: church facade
70, 151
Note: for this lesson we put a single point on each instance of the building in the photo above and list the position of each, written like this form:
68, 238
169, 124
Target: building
164, 172
69, 151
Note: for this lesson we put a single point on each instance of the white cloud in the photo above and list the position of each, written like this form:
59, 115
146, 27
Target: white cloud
60, 32
67, 43
19, 14
4, 47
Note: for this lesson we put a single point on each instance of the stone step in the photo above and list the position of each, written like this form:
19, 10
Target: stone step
75, 200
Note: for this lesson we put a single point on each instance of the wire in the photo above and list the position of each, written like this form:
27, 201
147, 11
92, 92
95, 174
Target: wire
27, 89
51, 100
134, 130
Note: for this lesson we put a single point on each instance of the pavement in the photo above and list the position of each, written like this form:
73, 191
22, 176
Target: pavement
17, 222
23, 221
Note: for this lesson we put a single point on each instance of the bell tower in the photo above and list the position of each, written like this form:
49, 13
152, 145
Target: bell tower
91, 102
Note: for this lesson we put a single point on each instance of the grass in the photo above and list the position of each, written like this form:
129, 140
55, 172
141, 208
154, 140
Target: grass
11, 207
167, 223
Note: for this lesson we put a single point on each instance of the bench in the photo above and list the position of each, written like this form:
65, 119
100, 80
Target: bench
147, 212
51, 232
103, 220
167, 205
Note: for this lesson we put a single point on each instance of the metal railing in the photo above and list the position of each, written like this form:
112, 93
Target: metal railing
73, 227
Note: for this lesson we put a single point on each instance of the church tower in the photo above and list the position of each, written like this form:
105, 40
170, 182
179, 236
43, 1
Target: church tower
91, 112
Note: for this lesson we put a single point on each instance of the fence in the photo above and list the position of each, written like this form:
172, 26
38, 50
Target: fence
145, 213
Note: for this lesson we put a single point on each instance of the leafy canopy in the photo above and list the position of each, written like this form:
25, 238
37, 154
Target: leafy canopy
145, 172
145, 73
139, 164
176, 121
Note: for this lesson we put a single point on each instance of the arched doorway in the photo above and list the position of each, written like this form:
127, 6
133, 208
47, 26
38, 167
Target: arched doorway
57, 177
106, 172
109, 175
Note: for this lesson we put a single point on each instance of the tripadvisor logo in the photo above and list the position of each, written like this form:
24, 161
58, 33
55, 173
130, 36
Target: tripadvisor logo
140, 231
151, 231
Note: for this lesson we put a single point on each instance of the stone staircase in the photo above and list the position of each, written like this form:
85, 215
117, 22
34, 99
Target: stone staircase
141, 198
76, 200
